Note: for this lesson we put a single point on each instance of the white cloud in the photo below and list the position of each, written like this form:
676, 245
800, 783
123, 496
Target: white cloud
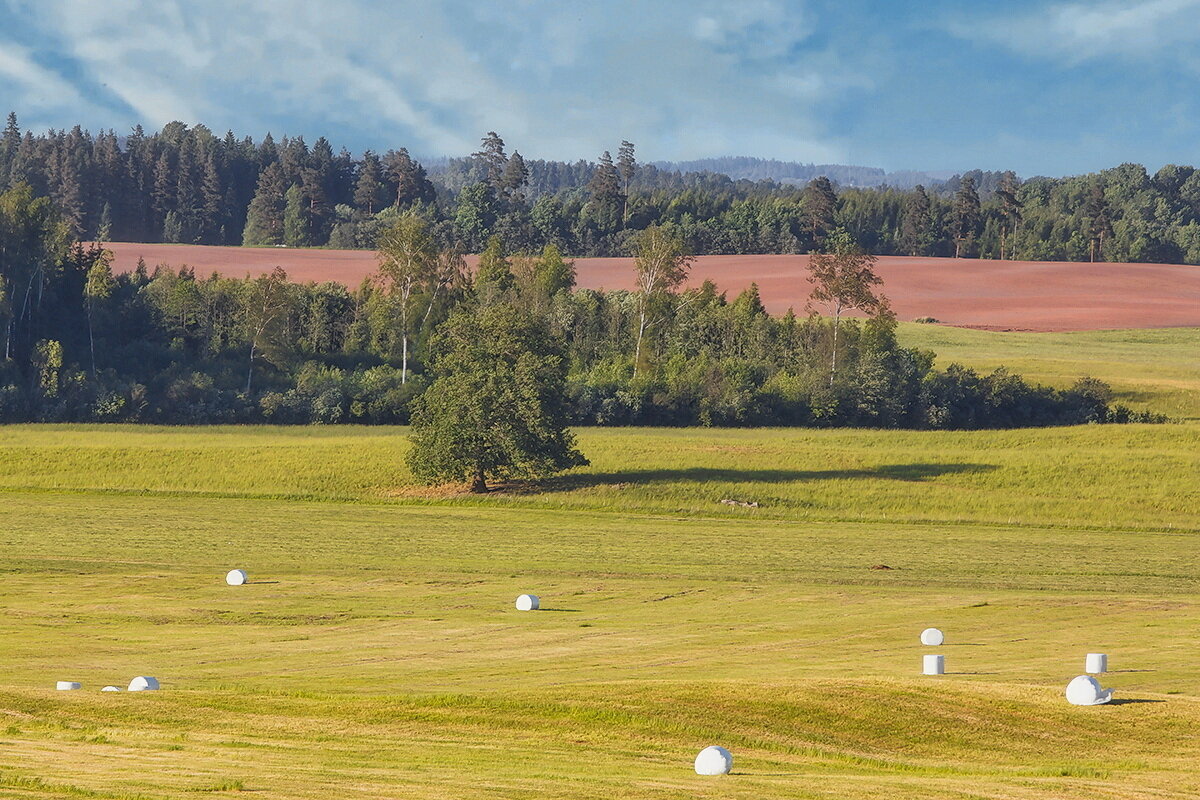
1079, 32
557, 78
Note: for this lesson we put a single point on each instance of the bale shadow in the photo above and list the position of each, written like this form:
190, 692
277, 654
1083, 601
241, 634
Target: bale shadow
260, 583
564, 610
1131, 700
899, 472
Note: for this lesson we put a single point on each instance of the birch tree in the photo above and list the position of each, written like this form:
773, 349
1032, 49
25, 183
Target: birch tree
408, 257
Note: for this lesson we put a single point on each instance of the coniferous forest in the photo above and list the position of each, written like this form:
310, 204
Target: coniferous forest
187, 184
162, 344
165, 345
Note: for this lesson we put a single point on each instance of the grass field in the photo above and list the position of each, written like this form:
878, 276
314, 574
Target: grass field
376, 652
1155, 370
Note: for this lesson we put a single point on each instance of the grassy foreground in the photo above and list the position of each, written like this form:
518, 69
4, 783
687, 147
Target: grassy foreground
376, 652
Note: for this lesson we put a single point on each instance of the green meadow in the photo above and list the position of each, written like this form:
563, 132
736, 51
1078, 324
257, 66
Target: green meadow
1149, 370
376, 652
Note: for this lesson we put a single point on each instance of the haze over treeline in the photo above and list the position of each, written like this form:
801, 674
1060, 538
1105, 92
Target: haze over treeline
186, 184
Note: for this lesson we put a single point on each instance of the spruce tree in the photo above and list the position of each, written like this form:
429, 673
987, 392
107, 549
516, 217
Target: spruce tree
516, 176
296, 219
917, 233
264, 219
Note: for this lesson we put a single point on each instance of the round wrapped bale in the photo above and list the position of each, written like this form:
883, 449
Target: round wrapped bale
66, 686
111, 689
143, 683
1085, 691
236, 577
933, 665
528, 602
932, 637
714, 761
1095, 663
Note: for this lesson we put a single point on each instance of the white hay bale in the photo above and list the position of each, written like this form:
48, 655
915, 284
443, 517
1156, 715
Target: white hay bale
1095, 663
933, 665
932, 637
143, 683
714, 761
66, 686
1085, 691
236, 577
528, 602
111, 689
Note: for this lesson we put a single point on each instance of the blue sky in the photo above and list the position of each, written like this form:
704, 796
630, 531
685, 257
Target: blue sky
1041, 87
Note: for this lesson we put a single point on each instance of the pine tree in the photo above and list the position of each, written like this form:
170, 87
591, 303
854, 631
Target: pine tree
491, 156
968, 218
1010, 209
820, 205
408, 177
368, 189
1099, 221
627, 167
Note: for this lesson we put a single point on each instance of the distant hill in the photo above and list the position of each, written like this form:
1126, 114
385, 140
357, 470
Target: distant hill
758, 169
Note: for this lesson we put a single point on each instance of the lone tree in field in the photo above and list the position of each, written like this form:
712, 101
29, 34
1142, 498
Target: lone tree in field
662, 265
843, 279
496, 408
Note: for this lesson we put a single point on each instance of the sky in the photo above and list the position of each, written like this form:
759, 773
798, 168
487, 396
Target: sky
1049, 88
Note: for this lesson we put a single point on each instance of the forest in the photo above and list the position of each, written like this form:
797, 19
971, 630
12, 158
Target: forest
80, 343
187, 184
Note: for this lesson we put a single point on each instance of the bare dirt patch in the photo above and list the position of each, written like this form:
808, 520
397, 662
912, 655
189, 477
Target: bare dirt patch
992, 295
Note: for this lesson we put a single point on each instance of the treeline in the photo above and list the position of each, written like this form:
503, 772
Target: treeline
166, 345
189, 185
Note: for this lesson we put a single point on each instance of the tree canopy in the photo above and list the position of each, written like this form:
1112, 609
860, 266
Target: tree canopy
496, 407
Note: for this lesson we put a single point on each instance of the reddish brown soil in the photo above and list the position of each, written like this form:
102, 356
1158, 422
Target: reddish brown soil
999, 295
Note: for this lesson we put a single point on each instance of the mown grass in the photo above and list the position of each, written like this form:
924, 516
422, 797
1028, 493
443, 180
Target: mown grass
1137, 476
1152, 370
376, 653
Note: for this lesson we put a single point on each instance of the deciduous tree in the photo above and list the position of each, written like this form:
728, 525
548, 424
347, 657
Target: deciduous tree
496, 408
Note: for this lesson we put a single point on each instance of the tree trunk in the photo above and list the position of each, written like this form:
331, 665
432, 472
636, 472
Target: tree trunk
957, 247
91, 339
637, 353
404, 338
837, 319
250, 371
404, 359
479, 484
